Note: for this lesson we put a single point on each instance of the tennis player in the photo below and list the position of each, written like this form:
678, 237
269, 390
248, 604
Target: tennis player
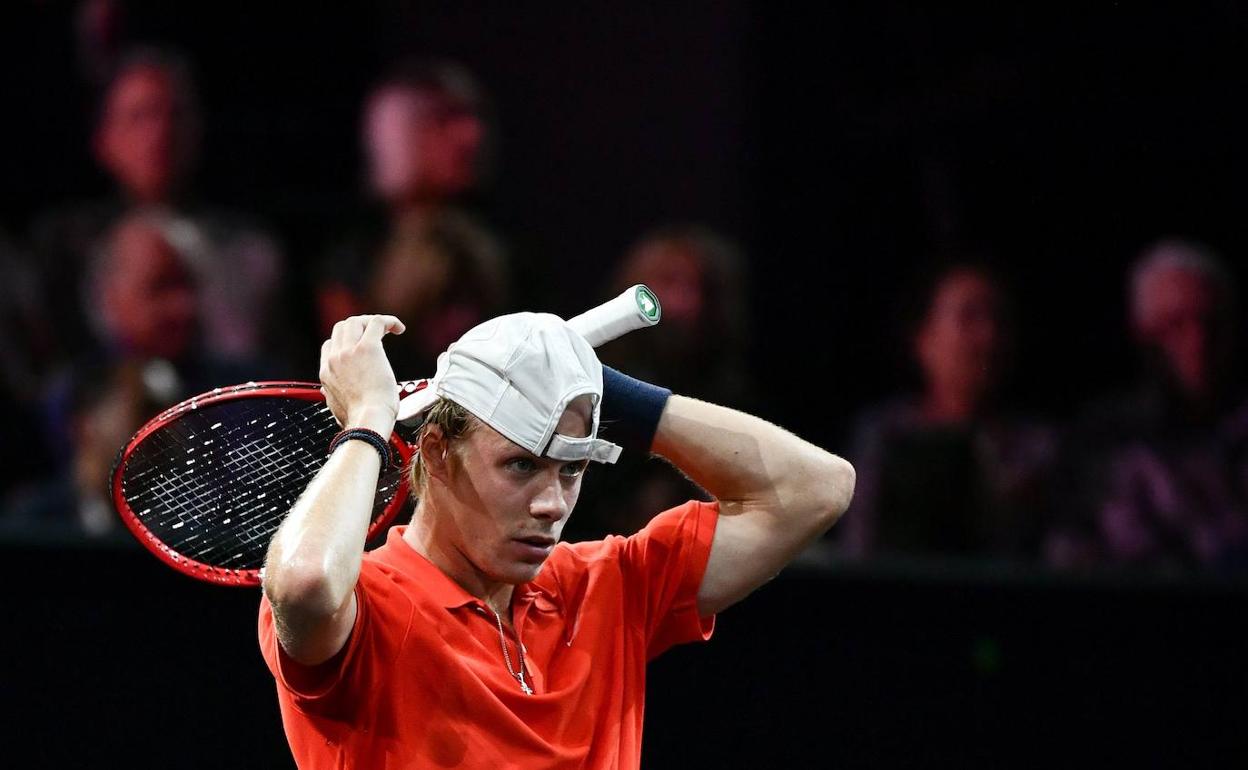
473, 638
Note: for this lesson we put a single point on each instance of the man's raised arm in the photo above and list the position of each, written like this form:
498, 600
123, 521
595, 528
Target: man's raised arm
314, 559
777, 493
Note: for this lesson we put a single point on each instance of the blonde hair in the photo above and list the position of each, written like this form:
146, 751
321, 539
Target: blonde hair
455, 421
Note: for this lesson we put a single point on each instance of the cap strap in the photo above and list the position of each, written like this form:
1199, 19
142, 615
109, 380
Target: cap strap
589, 448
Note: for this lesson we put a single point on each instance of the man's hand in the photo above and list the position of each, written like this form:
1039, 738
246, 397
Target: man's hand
358, 381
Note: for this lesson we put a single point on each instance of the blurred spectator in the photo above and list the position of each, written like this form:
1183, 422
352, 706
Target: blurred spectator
144, 299
1159, 475
428, 262
699, 350
146, 139
148, 355
950, 471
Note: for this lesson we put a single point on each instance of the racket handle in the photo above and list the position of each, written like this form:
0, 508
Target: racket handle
636, 308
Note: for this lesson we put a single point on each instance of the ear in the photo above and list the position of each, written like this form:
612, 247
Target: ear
435, 452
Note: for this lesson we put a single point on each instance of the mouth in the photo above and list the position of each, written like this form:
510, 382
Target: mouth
537, 541
533, 547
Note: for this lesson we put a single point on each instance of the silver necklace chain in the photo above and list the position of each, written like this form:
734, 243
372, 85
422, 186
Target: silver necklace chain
502, 642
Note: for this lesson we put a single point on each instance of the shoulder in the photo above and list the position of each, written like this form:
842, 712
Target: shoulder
380, 568
686, 527
571, 563
650, 579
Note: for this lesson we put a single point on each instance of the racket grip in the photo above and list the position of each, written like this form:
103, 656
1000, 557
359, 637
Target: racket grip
635, 308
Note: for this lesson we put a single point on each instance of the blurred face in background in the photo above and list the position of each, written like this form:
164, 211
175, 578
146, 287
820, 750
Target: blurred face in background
148, 294
1179, 317
961, 342
146, 137
674, 269
420, 146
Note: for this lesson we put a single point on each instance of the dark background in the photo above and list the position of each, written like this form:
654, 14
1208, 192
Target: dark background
110, 659
842, 147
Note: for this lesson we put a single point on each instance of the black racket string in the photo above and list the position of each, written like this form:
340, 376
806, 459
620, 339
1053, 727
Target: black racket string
215, 484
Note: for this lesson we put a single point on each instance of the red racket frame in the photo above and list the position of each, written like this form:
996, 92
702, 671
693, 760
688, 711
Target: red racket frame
308, 391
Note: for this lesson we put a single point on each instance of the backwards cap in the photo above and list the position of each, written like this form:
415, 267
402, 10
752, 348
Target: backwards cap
517, 373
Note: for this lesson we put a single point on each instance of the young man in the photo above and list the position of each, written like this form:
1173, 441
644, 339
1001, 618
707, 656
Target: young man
472, 638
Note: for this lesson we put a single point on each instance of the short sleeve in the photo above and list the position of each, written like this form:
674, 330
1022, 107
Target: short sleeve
382, 620
663, 565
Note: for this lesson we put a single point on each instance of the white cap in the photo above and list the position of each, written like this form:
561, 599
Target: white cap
517, 373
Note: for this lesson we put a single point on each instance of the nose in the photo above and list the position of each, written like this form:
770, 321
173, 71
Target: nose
550, 502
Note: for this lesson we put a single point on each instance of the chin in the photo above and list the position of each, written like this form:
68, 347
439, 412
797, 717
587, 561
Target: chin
517, 572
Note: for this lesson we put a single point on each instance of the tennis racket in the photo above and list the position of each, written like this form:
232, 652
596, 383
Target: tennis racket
205, 484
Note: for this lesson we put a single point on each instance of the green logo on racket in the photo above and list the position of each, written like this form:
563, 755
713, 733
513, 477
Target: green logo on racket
648, 304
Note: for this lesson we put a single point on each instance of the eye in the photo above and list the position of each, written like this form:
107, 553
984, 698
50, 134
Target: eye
523, 465
572, 470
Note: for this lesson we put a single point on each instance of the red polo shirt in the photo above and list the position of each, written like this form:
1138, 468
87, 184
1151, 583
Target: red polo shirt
422, 681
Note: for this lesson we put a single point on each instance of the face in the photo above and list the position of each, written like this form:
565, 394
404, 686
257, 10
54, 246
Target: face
148, 294
674, 270
960, 343
420, 147
506, 508
145, 139
1181, 322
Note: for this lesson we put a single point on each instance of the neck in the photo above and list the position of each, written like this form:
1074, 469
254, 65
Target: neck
946, 405
413, 210
428, 539
158, 195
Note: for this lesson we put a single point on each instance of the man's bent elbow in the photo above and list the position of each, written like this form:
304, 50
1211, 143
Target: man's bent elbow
838, 490
303, 588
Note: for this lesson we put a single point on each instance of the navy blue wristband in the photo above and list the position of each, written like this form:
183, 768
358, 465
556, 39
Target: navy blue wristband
371, 437
631, 409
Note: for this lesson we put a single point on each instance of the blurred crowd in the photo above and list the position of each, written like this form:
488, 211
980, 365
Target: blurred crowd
111, 309
1155, 477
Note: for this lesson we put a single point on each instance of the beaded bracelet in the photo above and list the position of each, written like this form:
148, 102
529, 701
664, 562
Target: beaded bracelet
364, 434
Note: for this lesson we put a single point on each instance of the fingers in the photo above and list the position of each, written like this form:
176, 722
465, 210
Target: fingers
350, 331
355, 336
355, 373
326, 348
345, 333
379, 325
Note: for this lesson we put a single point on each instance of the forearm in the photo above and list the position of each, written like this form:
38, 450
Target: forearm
314, 558
741, 459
